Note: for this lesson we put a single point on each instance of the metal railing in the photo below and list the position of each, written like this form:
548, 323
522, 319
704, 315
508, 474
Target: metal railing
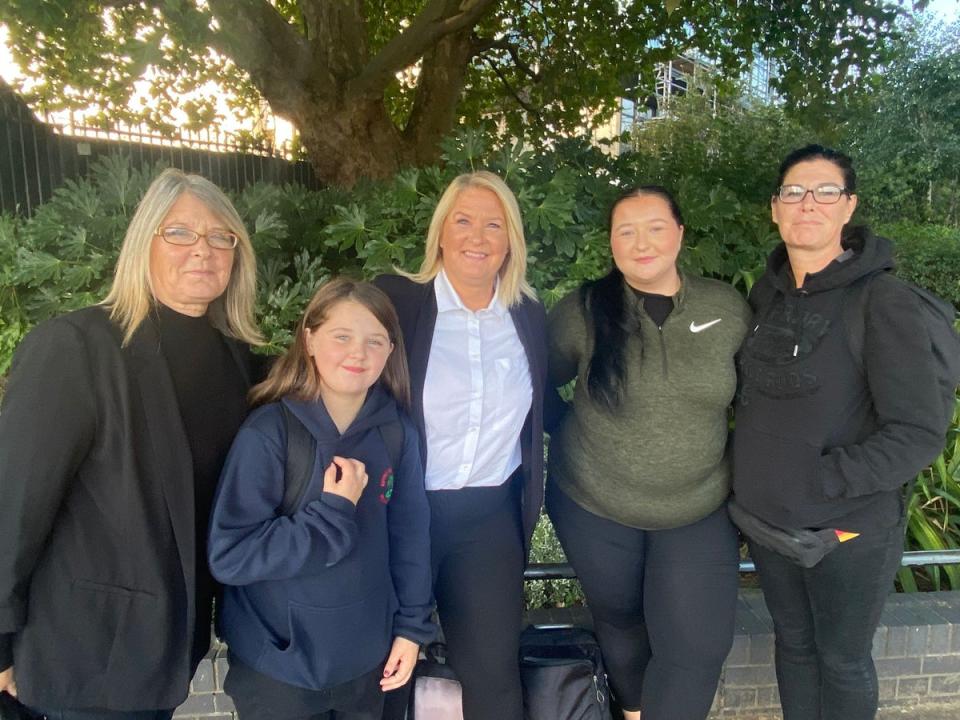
911, 558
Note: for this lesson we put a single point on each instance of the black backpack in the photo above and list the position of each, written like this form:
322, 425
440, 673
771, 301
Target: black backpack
302, 455
937, 318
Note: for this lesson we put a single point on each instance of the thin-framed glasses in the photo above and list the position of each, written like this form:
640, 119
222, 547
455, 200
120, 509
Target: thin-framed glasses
826, 194
217, 239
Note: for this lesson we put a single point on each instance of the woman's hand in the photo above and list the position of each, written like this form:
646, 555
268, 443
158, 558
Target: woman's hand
352, 481
7, 683
399, 667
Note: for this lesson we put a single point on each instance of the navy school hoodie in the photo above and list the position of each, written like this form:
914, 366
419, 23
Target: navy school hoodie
315, 599
823, 438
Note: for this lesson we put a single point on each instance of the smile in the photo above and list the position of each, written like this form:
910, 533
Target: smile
474, 255
353, 369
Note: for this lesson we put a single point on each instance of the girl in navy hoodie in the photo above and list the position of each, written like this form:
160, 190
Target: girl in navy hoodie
325, 608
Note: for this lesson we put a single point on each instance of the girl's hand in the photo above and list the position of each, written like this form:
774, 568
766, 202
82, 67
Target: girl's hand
7, 683
352, 480
399, 667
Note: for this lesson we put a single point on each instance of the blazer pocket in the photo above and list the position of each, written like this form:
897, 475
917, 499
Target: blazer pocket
101, 612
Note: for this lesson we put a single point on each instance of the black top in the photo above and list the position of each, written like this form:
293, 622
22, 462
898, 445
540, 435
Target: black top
824, 438
211, 395
658, 307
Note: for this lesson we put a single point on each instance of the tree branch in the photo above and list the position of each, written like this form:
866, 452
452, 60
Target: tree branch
512, 49
437, 20
516, 95
337, 34
439, 87
261, 42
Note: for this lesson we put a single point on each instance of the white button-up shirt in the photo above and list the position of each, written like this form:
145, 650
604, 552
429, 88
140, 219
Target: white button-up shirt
476, 395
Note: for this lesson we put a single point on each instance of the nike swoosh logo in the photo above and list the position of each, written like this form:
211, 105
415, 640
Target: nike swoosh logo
694, 328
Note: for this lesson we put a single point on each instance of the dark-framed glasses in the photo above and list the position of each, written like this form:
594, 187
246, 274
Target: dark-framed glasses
217, 239
826, 194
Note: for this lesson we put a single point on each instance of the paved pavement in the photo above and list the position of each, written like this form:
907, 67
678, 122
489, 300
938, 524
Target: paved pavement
940, 712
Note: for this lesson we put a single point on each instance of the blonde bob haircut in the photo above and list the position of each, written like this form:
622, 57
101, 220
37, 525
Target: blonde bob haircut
295, 374
131, 296
513, 272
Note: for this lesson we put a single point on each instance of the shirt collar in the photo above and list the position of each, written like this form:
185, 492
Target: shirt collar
448, 299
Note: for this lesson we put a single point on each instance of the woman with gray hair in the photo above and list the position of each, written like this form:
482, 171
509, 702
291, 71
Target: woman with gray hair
114, 427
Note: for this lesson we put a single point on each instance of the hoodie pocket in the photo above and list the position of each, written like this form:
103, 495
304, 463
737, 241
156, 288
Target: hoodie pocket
331, 645
776, 477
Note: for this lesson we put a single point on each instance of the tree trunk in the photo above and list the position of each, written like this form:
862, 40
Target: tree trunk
347, 140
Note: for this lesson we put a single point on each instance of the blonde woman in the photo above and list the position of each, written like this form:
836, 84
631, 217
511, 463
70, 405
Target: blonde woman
113, 430
476, 347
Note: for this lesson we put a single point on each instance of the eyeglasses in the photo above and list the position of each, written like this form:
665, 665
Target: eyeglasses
828, 194
217, 239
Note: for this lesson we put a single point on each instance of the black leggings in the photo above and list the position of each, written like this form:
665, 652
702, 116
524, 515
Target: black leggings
477, 555
663, 604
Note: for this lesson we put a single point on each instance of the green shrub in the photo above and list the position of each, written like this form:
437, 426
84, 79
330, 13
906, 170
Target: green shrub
545, 548
928, 255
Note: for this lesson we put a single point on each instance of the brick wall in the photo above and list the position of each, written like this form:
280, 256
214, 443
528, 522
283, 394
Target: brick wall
917, 651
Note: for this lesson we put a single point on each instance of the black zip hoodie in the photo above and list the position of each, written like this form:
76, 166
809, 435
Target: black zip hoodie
823, 438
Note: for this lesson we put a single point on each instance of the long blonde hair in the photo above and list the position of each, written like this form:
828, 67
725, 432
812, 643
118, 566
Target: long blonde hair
295, 373
131, 295
513, 272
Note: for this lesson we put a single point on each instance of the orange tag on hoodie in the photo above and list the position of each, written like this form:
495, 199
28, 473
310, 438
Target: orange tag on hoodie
844, 535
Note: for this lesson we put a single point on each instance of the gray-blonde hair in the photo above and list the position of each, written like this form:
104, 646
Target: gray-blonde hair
131, 296
513, 272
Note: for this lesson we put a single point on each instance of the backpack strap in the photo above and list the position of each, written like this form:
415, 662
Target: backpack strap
301, 457
392, 436
855, 298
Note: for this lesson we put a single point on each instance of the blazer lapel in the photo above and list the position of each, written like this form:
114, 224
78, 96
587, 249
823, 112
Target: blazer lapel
171, 461
521, 323
418, 355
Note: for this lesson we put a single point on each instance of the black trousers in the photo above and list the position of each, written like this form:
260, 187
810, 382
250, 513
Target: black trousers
824, 620
261, 697
477, 556
663, 604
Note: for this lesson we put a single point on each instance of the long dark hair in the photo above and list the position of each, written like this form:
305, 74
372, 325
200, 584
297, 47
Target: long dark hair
604, 300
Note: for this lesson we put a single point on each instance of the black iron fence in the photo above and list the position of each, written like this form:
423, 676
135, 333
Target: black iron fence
37, 157
563, 571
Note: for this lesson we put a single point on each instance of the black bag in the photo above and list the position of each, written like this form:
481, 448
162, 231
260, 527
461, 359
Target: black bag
11, 709
435, 690
302, 455
562, 674
802, 547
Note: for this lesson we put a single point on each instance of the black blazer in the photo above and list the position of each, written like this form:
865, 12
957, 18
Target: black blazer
416, 306
97, 527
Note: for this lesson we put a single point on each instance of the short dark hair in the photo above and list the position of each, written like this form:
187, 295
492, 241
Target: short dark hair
819, 152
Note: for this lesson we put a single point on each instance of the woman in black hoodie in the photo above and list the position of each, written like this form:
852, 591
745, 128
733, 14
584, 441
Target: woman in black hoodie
829, 431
